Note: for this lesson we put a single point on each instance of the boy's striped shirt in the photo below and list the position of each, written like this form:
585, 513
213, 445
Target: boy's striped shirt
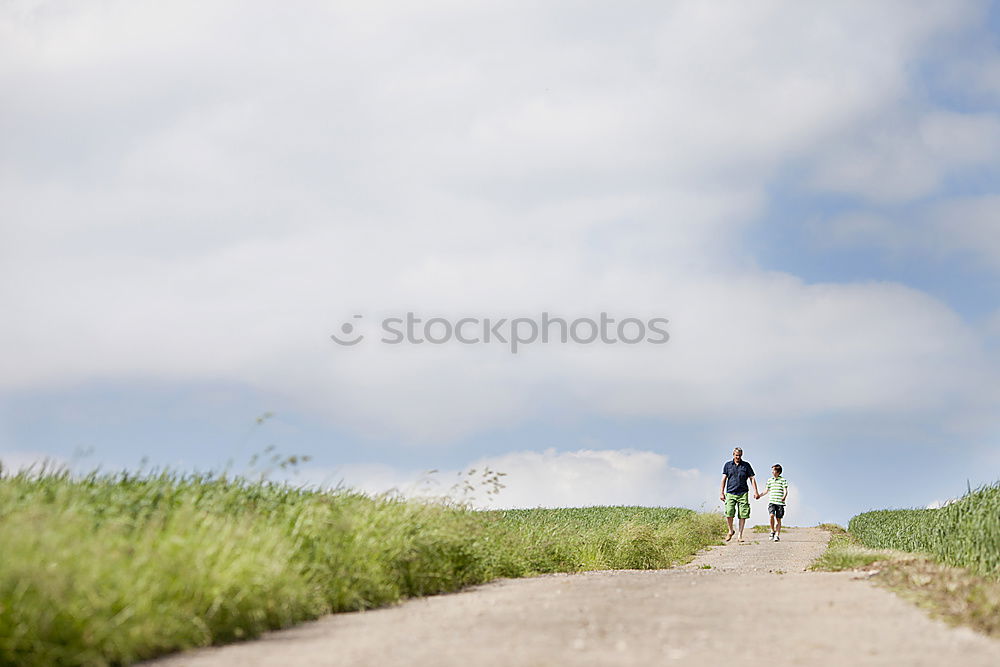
776, 487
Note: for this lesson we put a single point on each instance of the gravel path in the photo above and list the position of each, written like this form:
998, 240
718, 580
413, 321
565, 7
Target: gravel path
753, 601
798, 548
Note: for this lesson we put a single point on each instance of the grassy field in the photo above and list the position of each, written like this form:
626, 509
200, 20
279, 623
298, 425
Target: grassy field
111, 569
963, 534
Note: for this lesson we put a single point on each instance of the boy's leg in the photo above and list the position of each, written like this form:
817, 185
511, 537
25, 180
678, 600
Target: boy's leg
777, 525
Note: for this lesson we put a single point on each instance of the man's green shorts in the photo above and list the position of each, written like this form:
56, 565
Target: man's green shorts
741, 501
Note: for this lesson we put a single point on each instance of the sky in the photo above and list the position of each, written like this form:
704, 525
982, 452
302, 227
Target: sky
198, 195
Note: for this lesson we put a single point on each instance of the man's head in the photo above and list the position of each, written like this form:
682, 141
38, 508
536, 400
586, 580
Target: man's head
776, 470
737, 455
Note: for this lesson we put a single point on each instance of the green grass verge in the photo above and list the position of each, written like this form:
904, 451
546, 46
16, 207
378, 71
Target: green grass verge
600, 538
112, 569
845, 552
964, 534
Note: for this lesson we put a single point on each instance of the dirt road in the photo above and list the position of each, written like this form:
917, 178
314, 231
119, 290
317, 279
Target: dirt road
753, 602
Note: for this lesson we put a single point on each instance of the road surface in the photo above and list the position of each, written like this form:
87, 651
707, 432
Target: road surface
753, 601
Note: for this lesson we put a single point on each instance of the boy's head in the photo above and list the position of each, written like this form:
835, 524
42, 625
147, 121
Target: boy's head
776, 470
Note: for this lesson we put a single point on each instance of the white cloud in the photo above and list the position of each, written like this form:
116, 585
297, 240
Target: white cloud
198, 193
544, 479
966, 228
749, 344
903, 158
598, 477
553, 478
969, 226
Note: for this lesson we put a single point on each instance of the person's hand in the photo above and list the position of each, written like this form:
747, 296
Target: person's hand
722, 497
757, 497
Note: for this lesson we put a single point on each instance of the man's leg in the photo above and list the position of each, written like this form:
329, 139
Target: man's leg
730, 512
743, 507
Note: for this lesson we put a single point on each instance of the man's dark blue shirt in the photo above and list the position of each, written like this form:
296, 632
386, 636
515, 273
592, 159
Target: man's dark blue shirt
737, 476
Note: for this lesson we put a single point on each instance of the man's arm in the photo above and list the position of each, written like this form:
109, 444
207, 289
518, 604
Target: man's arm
722, 489
756, 492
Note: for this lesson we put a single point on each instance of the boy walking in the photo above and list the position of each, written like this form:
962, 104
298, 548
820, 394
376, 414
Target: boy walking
777, 493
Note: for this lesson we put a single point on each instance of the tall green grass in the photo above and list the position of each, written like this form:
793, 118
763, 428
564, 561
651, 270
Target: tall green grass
964, 534
111, 569
600, 538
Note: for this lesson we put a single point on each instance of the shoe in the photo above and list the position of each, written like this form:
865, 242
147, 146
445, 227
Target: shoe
771, 536
777, 538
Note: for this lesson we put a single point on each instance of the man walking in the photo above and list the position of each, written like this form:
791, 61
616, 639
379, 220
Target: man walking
734, 491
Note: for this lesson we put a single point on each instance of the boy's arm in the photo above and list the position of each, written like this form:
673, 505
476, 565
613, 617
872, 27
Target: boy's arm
784, 496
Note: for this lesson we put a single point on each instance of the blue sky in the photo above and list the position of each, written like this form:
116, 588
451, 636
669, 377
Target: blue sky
198, 195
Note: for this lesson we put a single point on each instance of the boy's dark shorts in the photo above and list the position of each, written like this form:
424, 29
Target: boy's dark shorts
776, 510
